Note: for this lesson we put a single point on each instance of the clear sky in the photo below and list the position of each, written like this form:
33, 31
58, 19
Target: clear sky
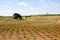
29, 7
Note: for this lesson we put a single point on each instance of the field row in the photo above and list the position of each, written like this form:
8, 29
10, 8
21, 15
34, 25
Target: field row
28, 30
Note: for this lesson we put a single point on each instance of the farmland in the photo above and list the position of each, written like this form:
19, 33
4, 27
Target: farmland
32, 28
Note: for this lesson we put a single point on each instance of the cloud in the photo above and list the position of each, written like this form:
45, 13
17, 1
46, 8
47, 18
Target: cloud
43, 3
44, 6
6, 6
31, 8
8, 2
41, 0
22, 4
1, 10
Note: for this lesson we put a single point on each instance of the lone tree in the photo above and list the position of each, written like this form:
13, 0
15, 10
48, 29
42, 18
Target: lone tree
17, 16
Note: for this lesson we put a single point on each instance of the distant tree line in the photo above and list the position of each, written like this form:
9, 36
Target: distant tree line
50, 15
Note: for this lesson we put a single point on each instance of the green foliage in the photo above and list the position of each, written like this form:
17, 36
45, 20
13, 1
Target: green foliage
27, 16
17, 16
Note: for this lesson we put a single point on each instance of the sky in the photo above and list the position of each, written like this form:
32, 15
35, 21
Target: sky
29, 7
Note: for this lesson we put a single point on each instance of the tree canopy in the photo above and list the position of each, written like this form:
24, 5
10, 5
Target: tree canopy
17, 16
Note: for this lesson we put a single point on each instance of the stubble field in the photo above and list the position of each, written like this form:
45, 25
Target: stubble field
32, 28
